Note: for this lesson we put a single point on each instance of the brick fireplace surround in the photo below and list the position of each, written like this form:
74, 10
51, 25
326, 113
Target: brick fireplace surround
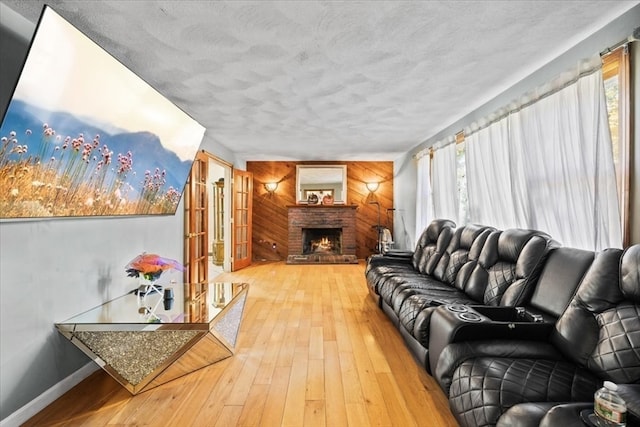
322, 216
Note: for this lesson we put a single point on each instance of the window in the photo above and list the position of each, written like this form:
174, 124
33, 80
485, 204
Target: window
615, 70
605, 227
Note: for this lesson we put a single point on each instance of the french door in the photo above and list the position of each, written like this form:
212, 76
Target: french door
196, 224
242, 212
196, 227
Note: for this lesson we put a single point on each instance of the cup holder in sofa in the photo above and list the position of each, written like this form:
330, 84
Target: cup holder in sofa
470, 317
457, 308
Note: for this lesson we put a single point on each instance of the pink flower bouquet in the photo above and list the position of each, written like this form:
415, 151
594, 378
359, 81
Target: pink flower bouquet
151, 266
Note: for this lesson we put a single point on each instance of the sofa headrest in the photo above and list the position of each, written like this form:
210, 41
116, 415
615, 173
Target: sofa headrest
470, 233
600, 288
435, 228
512, 241
630, 273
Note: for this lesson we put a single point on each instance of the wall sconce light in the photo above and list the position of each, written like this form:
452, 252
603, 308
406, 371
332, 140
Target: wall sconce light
271, 187
372, 186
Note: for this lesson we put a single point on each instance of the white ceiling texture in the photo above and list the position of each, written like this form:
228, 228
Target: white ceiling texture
331, 80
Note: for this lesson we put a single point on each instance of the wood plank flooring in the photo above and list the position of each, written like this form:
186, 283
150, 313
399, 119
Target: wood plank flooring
313, 350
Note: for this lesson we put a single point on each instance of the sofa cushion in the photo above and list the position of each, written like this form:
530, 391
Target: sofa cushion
439, 234
616, 356
466, 244
459, 257
577, 331
484, 388
560, 277
392, 286
508, 267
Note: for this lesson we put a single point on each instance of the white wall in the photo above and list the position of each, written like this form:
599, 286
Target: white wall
53, 269
614, 32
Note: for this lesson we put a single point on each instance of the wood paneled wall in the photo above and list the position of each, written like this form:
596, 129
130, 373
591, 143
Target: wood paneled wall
270, 211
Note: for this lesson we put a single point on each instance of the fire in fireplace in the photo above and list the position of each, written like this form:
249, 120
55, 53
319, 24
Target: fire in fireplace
322, 241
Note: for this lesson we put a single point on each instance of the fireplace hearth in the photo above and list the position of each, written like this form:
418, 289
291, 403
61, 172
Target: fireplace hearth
322, 234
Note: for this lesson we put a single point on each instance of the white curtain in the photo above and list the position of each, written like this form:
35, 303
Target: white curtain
424, 203
444, 188
544, 162
489, 179
562, 145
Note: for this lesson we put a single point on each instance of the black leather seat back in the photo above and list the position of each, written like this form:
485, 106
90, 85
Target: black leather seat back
465, 245
508, 267
560, 277
601, 327
432, 244
423, 241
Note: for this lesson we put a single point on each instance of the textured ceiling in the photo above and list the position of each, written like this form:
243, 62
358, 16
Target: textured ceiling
331, 80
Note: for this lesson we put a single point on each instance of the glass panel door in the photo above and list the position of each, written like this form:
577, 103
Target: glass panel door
196, 245
242, 211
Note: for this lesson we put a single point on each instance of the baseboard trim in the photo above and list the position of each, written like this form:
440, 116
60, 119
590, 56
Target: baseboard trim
25, 413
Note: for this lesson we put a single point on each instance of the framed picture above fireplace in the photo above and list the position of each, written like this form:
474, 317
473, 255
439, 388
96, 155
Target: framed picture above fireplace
321, 180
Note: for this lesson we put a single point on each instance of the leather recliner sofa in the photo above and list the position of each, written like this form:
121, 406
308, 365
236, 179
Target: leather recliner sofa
563, 271
420, 262
462, 247
558, 325
597, 338
480, 265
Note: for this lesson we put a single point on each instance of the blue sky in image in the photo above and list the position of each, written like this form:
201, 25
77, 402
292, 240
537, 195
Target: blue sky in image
66, 71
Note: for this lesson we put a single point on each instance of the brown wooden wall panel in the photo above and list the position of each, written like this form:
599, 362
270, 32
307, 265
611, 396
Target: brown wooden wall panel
270, 211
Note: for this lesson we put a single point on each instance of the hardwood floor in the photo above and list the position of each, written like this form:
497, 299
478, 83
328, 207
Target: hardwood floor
313, 350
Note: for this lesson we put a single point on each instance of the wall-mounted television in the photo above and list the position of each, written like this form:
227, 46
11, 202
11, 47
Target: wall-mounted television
85, 136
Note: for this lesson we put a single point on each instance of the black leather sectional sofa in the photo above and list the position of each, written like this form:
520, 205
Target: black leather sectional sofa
517, 329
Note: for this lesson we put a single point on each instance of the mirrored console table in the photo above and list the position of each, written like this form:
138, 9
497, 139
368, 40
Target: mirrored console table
146, 340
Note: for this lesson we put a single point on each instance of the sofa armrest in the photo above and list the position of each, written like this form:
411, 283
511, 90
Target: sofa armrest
569, 414
525, 414
565, 415
379, 259
397, 253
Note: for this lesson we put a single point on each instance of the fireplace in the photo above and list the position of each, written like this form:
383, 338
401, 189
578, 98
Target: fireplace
322, 240
324, 234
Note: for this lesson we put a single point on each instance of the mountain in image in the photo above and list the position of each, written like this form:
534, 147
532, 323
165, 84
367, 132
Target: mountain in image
147, 151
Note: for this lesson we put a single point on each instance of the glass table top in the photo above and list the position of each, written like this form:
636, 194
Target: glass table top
153, 307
